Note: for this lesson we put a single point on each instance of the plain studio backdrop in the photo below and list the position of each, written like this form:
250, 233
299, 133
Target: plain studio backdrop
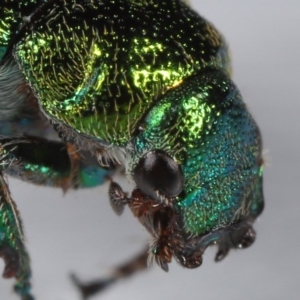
80, 233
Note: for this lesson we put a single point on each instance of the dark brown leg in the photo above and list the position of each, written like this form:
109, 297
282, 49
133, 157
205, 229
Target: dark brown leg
129, 268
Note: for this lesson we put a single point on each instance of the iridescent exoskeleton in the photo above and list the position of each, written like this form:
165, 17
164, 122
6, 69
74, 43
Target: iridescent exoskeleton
88, 86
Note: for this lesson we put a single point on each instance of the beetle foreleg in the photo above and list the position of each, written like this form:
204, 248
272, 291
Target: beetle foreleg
12, 248
129, 268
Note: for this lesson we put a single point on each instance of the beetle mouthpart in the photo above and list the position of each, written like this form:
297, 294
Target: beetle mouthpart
160, 261
164, 199
117, 197
160, 251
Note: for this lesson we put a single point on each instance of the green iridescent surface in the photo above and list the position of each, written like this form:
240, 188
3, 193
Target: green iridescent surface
205, 126
99, 66
12, 247
12, 13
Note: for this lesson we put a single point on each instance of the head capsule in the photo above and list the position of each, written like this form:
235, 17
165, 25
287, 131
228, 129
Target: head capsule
203, 130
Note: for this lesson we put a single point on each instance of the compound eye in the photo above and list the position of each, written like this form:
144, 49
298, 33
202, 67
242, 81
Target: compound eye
156, 172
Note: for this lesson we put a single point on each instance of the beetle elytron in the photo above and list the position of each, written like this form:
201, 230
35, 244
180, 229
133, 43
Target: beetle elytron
87, 86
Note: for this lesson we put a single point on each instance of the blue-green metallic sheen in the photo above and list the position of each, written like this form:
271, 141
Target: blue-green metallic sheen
205, 125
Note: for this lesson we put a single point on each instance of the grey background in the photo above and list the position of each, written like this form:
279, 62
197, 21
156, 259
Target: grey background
79, 232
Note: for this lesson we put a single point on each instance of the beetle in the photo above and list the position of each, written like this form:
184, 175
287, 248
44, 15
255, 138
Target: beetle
87, 87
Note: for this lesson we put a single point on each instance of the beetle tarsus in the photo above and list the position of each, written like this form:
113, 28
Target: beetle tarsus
129, 268
89, 289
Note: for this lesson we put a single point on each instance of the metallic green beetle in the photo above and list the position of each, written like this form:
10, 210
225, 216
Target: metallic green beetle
88, 86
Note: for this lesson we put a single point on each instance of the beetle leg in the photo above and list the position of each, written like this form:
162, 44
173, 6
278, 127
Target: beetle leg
129, 268
12, 248
38, 161
51, 163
